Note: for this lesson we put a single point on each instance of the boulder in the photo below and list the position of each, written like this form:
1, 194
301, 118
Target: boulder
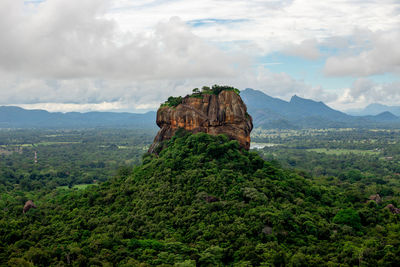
267, 230
377, 198
28, 205
393, 209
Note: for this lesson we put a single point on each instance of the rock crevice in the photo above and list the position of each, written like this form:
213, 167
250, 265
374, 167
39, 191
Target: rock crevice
224, 113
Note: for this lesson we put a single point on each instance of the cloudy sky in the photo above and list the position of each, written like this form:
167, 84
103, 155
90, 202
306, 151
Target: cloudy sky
130, 55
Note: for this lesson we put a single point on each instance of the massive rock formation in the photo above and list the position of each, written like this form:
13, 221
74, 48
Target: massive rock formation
224, 113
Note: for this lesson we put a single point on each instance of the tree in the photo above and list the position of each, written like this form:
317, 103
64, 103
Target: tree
348, 217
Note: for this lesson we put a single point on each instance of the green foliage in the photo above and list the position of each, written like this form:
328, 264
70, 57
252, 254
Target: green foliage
172, 101
348, 217
66, 157
216, 89
206, 90
203, 202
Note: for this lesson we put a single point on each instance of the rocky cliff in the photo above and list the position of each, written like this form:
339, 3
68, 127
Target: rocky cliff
224, 113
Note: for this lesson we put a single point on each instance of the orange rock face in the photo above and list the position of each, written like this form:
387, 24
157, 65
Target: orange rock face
224, 113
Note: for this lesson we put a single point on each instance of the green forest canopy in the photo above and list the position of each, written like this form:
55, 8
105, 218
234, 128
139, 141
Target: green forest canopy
204, 202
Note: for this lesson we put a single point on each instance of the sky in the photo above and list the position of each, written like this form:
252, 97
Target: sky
131, 55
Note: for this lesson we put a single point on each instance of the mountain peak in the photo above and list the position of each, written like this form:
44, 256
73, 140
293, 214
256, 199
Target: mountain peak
298, 99
295, 98
376, 109
386, 115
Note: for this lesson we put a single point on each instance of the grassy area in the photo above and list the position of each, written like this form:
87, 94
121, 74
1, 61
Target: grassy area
78, 186
56, 143
255, 145
45, 143
83, 186
343, 151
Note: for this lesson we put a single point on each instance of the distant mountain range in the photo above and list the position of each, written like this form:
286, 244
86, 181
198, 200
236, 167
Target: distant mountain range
270, 112
16, 117
375, 109
267, 112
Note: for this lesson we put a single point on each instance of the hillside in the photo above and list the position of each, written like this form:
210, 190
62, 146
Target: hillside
384, 116
201, 202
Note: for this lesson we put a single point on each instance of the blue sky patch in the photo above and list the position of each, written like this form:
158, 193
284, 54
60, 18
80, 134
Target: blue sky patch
27, 2
309, 71
211, 22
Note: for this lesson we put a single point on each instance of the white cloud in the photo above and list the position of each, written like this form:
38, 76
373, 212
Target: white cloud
72, 39
90, 94
269, 25
69, 107
364, 91
378, 54
307, 49
110, 54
